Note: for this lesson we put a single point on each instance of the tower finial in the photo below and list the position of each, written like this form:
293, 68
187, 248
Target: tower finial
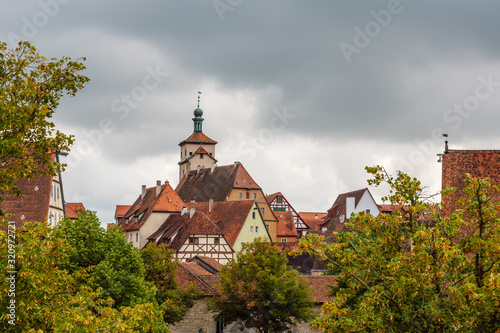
199, 93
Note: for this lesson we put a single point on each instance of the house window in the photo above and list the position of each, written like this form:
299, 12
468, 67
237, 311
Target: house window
283, 240
58, 193
193, 240
256, 229
240, 195
262, 210
279, 200
210, 154
247, 195
52, 191
251, 229
255, 196
136, 236
216, 241
190, 153
267, 227
253, 215
201, 156
368, 211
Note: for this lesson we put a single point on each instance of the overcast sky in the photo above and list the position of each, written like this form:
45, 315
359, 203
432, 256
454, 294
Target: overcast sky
304, 93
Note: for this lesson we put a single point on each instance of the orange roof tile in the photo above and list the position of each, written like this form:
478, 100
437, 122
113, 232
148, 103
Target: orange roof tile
286, 226
313, 219
72, 209
120, 210
166, 201
198, 137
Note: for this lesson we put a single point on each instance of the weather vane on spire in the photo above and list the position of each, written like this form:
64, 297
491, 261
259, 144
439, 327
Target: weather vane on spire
199, 93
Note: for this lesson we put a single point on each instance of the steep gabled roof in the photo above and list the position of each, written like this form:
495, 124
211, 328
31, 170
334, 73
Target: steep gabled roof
120, 211
217, 184
229, 216
198, 137
198, 224
286, 226
193, 272
270, 198
313, 219
33, 206
166, 202
72, 209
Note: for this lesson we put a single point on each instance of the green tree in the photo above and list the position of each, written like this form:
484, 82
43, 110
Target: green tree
160, 269
114, 265
414, 270
30, 89
48, 298
259, 290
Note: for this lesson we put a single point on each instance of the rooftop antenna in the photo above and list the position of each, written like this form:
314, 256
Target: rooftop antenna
199, 93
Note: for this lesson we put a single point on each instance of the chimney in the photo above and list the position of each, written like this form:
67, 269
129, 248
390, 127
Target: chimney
167, 182
210, 205
198, 169
143, 192
212, 168
349, 206
158, 187
184, 210
236, 163
192, 211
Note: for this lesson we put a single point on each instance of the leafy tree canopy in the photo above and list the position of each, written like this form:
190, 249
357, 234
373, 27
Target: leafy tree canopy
30, 89
114, 265
259, 290
160, 269
48, 298
415, 270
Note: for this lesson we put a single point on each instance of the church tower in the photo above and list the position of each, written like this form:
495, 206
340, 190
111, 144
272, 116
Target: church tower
197, 151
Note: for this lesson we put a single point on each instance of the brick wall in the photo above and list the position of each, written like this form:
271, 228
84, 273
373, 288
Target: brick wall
478, 163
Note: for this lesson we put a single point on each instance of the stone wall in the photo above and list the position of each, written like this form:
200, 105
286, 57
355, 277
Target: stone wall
200, 318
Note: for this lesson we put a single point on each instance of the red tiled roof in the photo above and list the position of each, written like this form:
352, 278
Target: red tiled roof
33, 206
320, 285
286, 226
204, 261
388, 209
270, 198
166, 202
339, 208
217, 185
198, 137
230, 216
120, 210
72, 209
226, 218
201, 150
313, 219
192, 272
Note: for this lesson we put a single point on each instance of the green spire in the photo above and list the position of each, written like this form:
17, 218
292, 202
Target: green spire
198, 120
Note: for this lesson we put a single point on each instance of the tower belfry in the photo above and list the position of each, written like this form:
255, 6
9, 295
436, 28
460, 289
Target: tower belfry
197, 151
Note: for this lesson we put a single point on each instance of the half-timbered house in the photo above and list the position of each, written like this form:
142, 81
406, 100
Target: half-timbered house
278, 203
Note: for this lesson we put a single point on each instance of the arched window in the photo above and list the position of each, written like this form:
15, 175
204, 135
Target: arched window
247, 195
